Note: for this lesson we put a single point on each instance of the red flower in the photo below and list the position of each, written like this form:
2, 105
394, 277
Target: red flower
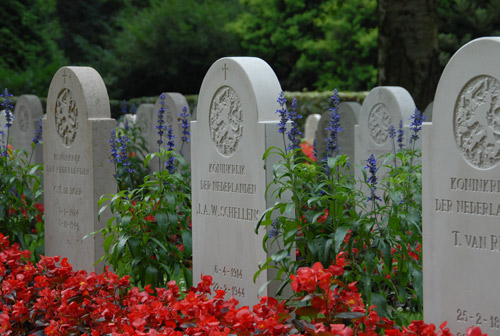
308, 150
475, 331
150, 218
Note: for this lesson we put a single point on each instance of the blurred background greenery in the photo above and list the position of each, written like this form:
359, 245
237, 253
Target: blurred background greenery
142, 48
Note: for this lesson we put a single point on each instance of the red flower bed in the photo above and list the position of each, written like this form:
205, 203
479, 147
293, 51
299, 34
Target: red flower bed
51, 297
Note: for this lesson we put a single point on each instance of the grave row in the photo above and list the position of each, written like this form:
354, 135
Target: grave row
236, 122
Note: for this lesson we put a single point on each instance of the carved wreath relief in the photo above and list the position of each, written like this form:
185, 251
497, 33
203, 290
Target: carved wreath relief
476, 122
22, 119
379, 121
66, 117
226, 120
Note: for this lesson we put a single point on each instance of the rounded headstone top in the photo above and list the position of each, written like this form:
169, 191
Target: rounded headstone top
28, 108
174, 103
250, 74
385, 106
468, 103
85, 86
76, 94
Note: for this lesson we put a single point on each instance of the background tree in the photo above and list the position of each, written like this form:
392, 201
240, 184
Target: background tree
312, 44
408, 47
30, 55
87, 28
168, 46
461, 21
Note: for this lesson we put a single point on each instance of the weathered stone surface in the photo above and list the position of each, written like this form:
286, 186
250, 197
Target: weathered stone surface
461, 192
236, 122
77, 171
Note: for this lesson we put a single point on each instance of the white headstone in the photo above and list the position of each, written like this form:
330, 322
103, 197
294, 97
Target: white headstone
144, 120
384, 106
311, 127
349, 115
127, 120
27, 114
144, 114
236, 122
77, 171
461, 193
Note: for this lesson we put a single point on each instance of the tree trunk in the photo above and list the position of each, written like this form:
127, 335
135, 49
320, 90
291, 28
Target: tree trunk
408, 47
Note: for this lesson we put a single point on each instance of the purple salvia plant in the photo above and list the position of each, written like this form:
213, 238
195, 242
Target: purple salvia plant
372, 180
169, 164
161, 121
294, 133
183, 118
7, 107
401, 134
334, 127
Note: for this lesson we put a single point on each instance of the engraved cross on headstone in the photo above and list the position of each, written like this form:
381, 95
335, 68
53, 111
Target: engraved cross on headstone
225, 68
64, 76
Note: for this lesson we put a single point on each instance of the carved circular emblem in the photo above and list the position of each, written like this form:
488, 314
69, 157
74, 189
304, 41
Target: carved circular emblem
476, 121
66, 117
379, 121
22, 119
226, 120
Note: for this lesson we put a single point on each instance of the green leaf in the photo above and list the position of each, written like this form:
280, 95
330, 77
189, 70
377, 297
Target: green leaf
188, 277
161, 220
340, 234
277, 257
307, 311
380, 303
187, 241
151, 276
133, 244
107, 243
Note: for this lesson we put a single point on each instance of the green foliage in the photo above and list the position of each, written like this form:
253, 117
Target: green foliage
87, 28
149, 233
30, 55
313, 44
328, 213
136, 152
21, 193
461, 21
168, 46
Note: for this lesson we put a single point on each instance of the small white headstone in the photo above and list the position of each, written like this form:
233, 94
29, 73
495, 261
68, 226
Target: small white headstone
311, 127
144, 116
349, 114
77, 171
27, 114
384, 106
127, 120
461, 193
236, 122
